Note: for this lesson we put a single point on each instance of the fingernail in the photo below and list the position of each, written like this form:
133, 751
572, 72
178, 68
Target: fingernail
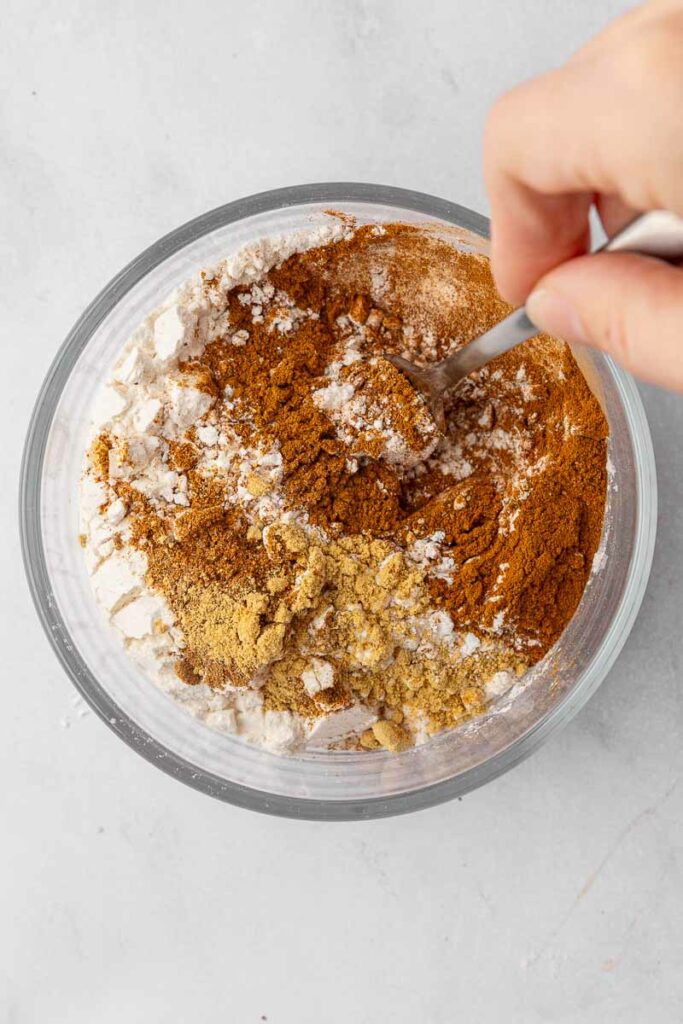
555, 314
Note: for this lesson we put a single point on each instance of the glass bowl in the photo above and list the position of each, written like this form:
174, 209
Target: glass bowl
334, 785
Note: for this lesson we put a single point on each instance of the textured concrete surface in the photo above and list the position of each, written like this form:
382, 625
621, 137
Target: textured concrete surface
552, 895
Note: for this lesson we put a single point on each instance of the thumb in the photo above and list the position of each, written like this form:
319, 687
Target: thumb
629, 306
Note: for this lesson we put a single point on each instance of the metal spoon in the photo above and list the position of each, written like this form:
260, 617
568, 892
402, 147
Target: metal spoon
658, 233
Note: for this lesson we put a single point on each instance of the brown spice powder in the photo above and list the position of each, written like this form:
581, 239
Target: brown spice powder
392, 407
99, 456
550, 552
521, 545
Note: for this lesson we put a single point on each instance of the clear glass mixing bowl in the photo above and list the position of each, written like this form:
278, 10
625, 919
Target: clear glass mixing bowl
312, 785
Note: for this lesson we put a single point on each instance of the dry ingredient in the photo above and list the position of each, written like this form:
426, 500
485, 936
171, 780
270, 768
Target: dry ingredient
285, 540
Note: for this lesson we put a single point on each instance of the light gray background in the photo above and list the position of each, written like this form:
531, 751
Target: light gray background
554, 894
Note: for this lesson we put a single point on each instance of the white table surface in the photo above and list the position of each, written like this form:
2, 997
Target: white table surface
552, 895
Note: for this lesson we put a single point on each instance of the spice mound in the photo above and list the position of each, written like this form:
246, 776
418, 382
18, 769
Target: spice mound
284, 540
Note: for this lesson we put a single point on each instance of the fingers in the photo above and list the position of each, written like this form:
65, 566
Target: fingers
606, 123
629, 306
540, 182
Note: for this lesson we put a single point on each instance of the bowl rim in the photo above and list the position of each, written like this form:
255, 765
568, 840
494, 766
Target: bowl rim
91, 689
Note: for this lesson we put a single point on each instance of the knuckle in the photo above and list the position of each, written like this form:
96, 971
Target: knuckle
492, 128
653, 57
499, 119
623, 332
619, 340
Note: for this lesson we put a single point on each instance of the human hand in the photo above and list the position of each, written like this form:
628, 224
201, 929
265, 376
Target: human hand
606, 128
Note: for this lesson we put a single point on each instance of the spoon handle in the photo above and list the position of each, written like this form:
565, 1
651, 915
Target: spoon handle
658, 233
510, 332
